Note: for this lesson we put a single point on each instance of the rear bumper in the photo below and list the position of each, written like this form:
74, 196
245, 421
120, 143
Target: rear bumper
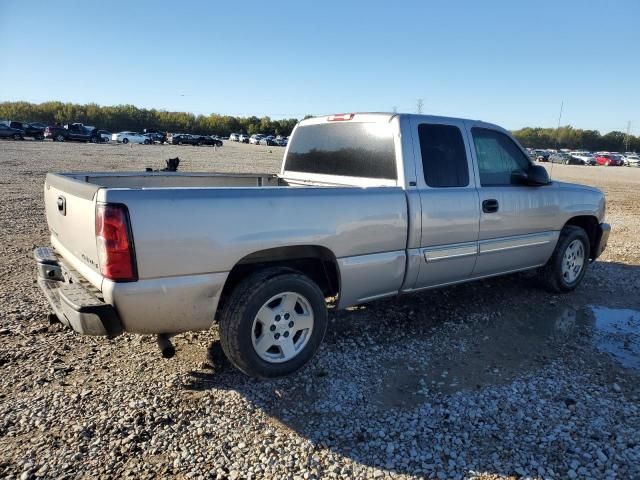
601, 239
76, 304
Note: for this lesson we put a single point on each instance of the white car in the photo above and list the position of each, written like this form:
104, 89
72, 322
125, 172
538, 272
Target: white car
255, 139
632, 160
585, 157
242, 138
133, 137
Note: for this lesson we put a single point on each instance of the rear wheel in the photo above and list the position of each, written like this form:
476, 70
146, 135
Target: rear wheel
147, 142
17, 136
273, 323
59, 138
568, 264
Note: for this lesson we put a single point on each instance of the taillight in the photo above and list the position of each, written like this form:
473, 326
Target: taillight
115, 243
340, 117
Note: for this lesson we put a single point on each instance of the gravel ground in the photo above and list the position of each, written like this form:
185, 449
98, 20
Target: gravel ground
494, 379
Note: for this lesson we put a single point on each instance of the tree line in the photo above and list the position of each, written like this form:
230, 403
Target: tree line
118, 118
575, 138
129, 117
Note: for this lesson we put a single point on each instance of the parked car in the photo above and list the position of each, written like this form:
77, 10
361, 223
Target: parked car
255, 138
610, 160
234, 137
183, 139
242, 138
541, 155
563, 157
210, 140
282, 141
632, 160
8, 132
260, 261
130, 137
75, 132
103, 136
584, 158
33, 130
269, 140
156, 136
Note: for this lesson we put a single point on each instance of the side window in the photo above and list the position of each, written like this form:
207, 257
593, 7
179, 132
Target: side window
498, 157
444, 159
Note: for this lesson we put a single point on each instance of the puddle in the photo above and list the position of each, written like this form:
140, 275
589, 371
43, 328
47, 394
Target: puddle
617, 333
494, 352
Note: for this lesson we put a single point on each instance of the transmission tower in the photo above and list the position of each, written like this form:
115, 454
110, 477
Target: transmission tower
626, 137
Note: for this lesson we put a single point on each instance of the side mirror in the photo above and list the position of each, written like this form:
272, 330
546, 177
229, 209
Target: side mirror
538, 175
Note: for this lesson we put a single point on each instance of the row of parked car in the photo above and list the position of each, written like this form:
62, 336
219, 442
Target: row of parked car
85, 133
260, 139
583, 157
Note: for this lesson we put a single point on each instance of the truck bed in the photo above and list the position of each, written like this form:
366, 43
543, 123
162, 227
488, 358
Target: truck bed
190, 229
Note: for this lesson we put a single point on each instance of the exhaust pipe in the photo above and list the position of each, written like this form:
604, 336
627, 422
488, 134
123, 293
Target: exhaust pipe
166, 347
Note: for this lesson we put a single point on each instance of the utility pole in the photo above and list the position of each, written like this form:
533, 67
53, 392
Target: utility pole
626, 137
419, 105
558, 129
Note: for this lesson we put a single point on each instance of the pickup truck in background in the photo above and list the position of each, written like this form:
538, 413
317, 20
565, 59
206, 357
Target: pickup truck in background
73, 132
365, 206
34, 129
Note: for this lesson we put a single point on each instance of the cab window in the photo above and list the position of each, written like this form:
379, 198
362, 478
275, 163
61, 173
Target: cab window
499, 158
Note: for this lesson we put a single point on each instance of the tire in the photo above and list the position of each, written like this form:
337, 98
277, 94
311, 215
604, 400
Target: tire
146, 142
552, 275
125, 140
40, 137
17, 136
566, 162
59, 138
240, 324
93, 140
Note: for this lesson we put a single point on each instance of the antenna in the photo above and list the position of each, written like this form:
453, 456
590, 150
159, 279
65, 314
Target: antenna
419, 105
558, 134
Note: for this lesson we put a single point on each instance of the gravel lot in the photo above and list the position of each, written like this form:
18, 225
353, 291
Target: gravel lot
494, 379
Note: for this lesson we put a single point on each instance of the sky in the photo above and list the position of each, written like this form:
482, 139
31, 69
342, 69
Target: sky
507, 62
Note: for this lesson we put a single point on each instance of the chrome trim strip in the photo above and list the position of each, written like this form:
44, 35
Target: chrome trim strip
448, 252
520, 241
469, 279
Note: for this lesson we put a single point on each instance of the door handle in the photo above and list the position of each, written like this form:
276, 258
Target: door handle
490, 205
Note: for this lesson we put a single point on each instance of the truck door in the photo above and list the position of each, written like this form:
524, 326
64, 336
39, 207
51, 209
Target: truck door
449, 201
514, 218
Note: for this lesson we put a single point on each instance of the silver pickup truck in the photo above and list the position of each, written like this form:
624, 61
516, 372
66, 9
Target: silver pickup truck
365, 206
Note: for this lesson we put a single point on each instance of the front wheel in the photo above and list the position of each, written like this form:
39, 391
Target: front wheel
125, 140
147, 142
60, 138
568, 264
17, 136
273, 323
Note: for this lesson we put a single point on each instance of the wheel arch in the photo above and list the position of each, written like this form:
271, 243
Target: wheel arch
589, 223
317, 262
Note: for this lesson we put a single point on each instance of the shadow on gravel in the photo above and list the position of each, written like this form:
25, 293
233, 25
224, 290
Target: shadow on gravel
456, 378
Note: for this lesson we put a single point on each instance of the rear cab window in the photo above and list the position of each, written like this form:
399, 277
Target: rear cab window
345, 148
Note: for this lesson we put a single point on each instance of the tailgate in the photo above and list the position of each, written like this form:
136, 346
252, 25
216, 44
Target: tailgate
71, 208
